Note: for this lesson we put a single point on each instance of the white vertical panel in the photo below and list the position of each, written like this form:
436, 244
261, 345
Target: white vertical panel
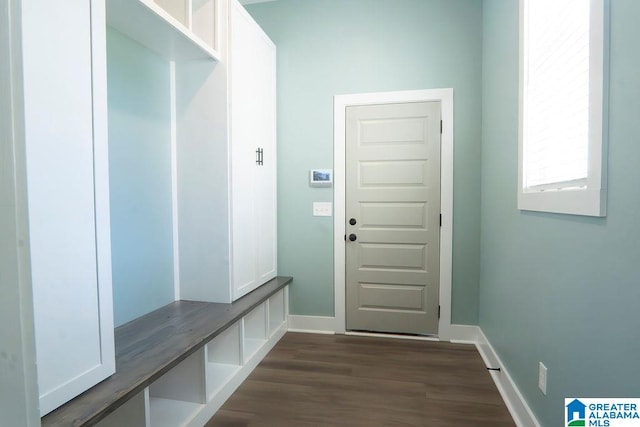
62, 199
174, 183
18, 388
101, 187
203, 174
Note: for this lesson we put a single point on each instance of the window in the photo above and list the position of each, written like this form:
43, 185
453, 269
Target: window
563, 92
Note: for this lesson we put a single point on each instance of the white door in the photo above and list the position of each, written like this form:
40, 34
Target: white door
393, 217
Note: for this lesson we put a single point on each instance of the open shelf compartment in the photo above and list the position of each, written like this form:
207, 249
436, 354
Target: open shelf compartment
179, 395
254, 327
224, 359
163, 27
133, 413
178, 9
277, 312
203, 21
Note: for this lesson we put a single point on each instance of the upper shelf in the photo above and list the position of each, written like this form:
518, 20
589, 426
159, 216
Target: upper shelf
152, 26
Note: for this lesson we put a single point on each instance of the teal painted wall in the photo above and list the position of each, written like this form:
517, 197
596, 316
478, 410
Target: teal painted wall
561, 289
330, 47
140, 178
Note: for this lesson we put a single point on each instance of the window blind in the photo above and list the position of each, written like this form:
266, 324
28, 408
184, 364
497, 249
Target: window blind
556, 93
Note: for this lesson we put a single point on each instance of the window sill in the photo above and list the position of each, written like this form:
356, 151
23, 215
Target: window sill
587, 202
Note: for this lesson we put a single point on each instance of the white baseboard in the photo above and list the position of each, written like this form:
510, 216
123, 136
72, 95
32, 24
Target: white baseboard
312, 324
463, 334
517, 405
393, 336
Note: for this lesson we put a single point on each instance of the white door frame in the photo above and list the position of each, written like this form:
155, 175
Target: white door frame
341, 102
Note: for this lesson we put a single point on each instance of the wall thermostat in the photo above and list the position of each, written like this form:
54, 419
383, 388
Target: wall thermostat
321, 177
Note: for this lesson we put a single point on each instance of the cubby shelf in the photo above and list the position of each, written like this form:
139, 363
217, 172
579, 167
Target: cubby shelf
219, 374
179, 395
224, 359
254, 332
277, 312
154, 27
172, 413
188, 372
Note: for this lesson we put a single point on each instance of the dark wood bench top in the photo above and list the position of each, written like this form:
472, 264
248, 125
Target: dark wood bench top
150, 346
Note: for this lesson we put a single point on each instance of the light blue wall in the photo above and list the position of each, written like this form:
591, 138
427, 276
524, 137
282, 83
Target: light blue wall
561, 289
140, 178
330, 47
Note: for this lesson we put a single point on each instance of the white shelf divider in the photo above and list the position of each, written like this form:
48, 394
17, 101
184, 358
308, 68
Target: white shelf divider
154, 27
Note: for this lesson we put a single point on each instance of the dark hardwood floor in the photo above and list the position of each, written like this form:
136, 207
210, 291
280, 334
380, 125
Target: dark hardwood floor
337, 380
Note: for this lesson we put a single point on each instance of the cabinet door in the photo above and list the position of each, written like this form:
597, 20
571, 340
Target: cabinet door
252, 79
65, 114
265, 56
244, 144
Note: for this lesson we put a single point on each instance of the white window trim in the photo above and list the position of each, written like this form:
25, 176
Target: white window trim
592, 200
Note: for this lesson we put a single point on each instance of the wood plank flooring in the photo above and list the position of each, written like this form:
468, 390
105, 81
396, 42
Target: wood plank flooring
337, 380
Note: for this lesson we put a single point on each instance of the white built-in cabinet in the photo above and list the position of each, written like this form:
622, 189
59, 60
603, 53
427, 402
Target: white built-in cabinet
225, 139
68, 195
223, 133
252, 71
227, 165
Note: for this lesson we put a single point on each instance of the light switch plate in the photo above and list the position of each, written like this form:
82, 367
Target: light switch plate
542, 378
322, 208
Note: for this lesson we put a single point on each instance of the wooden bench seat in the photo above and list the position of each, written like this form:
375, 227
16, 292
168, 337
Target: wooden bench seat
150, 346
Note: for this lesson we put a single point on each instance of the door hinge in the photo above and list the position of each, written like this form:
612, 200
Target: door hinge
440, 126
440, 220
438, 312
345, 237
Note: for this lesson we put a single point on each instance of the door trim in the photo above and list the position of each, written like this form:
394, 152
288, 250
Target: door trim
341, 102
